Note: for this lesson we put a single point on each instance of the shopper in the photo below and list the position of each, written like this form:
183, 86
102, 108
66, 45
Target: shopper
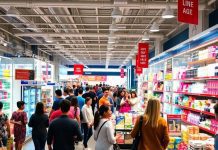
90, 93
57, 100
88, 120
19, 119
4, 132
121, 94
58, 113
65, 93
71, 94
125, 103
74, 109
39, 122
154, 128
81, 100
103, 129
134, 102
63, 131
106, 100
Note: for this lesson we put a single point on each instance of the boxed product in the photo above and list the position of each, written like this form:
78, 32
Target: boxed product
128, 139
120, 137
193, 130
196, 145
174, 143
120, 122
128, 121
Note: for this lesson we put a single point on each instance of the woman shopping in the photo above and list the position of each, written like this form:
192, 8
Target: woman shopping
154, 131
39, 122
103, 129
19, 119
125, 104
134, 101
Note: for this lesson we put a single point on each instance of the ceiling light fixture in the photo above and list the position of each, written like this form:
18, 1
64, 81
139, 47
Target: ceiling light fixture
168, 13
31, 26
145, 37
154, 27
116, 13
111, 41
110, 47
48, 39
12, 11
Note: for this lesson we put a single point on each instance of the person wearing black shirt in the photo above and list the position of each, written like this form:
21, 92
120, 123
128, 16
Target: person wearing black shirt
39, 122
71, 94
63, 131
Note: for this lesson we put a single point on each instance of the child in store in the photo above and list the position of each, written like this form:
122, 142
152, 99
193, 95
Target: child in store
125, 103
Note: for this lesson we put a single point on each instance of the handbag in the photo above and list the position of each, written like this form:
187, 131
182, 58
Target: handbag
115, 146
138, 136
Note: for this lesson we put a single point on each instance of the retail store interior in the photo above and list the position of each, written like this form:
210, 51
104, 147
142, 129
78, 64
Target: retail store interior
164, 50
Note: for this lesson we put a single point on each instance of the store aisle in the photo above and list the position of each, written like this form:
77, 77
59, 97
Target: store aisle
91, 144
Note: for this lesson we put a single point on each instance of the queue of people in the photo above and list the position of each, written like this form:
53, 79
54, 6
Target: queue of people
74, 118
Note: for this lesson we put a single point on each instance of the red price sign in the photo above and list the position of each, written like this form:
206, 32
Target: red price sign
188, 11
122, 73
138, 70
143, 55
23, 74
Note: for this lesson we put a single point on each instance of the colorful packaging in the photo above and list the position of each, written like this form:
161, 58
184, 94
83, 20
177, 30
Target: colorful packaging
120, 122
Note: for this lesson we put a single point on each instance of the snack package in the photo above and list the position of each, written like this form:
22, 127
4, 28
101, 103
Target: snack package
128, 139
128, 120
120, 137
120, 122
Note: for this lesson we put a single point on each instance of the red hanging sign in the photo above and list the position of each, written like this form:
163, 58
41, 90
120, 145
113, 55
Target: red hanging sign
78, 69
122, 73
24, 74
143, 55
188, 11
138, 70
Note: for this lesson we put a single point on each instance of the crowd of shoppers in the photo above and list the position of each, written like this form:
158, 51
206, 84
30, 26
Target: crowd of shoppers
76, 114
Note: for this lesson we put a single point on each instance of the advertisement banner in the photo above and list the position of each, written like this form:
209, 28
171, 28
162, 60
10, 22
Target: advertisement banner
188, 11
138, 70
174, 124
122, 73
143, 55
78, 69
94, 78
24, 74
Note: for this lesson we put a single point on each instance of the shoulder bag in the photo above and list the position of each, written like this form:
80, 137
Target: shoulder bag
115, 146
138, 135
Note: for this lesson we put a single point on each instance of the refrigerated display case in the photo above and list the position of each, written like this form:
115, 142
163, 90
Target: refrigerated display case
6, 84
30, 95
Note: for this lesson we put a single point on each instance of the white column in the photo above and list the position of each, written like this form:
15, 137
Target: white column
158, 47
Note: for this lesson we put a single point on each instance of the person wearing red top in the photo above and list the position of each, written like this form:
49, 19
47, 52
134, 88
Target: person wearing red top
58, 113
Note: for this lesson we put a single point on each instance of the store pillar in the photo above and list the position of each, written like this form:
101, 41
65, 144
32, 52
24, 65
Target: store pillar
158, 47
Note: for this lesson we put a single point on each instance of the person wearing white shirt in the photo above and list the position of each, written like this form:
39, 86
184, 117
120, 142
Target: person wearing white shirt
103, 129
88, 120
134, 102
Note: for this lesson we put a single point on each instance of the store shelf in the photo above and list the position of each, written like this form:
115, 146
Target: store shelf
194, 110
202, 128
202, 62
197, 94
123, 129
198, 78
158, 91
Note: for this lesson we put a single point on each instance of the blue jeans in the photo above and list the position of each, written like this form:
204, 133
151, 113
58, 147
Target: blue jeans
87, 134
216, 142
39, 142
3, 142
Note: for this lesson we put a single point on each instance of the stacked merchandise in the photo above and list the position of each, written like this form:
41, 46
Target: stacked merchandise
174, 143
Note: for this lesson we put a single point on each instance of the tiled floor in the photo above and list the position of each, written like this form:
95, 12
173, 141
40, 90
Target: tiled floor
91, 144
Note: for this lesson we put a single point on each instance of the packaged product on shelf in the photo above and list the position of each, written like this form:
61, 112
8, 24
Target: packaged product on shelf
128, 139
174, 143
120, 120
128, 121
120, 137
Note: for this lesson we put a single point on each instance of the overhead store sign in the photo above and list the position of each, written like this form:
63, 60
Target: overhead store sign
78, 69
138, 70
93, 78
188, 11
143, 55
24, 74
122, 73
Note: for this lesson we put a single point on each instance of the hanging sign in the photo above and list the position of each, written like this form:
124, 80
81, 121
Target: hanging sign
24, 74
138, 70
143, 55
122, 73
78, 69
174, 124
188, 11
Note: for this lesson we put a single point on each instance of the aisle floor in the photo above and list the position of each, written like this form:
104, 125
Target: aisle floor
91, 144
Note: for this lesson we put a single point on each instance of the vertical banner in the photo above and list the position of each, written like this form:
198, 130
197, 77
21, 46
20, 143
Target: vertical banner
122, 73
188, 11
138, 70
78, 69
143, 55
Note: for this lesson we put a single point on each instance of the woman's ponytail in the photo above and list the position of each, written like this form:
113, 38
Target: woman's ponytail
96, 120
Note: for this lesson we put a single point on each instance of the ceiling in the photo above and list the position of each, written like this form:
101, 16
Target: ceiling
79, 29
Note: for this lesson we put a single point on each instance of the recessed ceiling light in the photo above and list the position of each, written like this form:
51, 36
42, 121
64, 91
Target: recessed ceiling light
168, 13
154, 27
116, 13
48, 39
